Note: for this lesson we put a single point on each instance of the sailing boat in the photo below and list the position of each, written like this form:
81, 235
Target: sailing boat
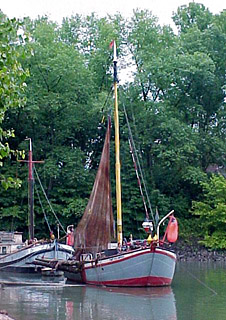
148, 264
16, 256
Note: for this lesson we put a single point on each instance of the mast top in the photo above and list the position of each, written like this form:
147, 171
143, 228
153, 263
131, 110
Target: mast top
30, 144
113, 45
115, 53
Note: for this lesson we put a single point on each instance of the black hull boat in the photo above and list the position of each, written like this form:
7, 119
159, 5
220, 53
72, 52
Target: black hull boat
18, 256
22, 260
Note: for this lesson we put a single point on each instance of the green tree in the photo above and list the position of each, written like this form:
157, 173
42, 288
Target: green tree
62, 115
178, 101
211, 210
151, 49
193, 14
12, 87
91, 36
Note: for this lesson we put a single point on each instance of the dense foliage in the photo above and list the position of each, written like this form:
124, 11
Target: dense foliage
175, 105
12, 84
212, 212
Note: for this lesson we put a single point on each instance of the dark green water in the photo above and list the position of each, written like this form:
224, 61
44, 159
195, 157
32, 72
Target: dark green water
198, 292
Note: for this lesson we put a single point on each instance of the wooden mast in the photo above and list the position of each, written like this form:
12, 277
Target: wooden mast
117, 154
30, 190
31, 193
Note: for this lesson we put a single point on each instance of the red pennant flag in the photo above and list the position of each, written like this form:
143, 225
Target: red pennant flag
111, 45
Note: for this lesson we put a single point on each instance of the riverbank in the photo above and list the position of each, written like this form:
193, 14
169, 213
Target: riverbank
195, 252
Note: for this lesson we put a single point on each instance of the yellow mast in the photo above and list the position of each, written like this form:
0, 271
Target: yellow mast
117, 155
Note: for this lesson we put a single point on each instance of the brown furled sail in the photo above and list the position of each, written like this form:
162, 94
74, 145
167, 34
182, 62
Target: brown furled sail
95, 229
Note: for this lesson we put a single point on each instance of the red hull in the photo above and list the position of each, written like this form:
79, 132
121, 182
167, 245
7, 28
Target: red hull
141, 282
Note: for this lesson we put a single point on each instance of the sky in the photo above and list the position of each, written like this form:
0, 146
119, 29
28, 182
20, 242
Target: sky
57, 9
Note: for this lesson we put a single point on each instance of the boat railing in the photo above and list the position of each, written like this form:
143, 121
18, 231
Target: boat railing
160, 222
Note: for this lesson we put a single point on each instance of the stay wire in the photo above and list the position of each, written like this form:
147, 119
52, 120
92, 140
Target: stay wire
49, 202
43, 210
138, 163
105, 102
138, 178
143, 179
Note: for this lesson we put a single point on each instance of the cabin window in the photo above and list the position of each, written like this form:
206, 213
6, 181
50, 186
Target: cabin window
3, 250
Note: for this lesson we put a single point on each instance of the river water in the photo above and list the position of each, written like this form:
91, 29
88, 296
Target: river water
198, 292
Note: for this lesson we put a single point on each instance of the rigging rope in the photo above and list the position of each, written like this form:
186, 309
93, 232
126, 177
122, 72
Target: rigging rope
138, 178
49, 202
46, 219
105, 102
139, 166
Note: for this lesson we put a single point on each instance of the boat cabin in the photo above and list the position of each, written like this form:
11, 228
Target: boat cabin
10, 242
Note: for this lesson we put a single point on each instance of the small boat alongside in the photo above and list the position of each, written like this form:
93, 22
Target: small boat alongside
22, 258
18, 256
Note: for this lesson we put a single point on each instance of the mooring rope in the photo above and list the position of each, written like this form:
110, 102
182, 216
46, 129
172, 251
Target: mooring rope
200, 281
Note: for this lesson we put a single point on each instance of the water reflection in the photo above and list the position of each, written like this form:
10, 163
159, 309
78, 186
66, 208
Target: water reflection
198, 288
83, 302
131, 303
